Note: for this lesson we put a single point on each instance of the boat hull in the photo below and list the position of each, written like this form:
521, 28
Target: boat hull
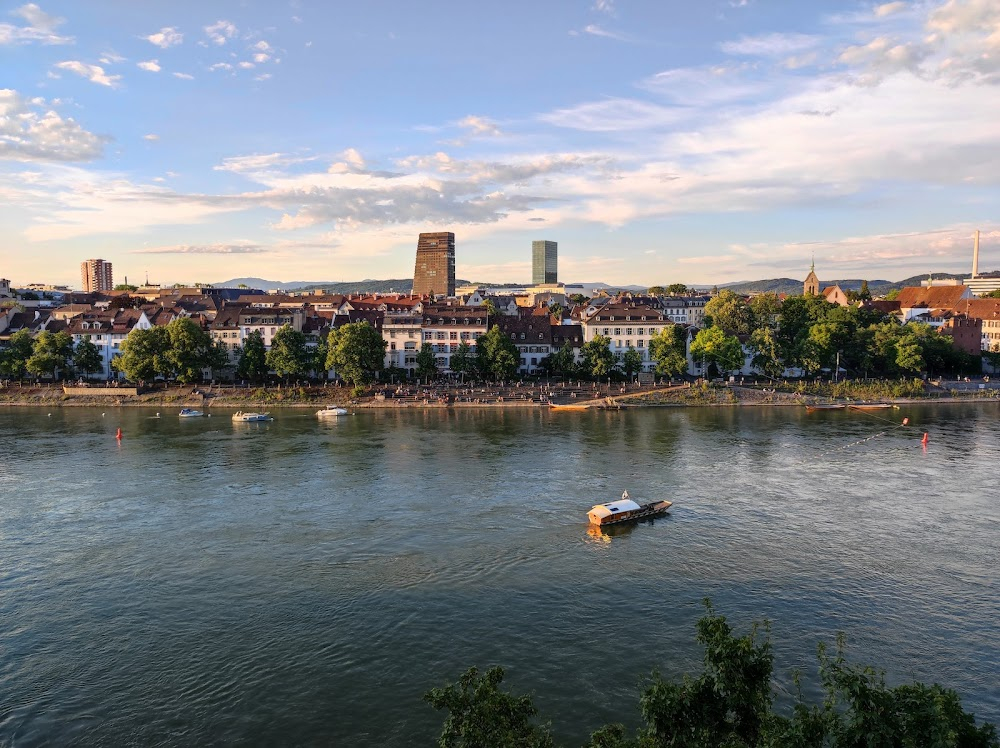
645, 511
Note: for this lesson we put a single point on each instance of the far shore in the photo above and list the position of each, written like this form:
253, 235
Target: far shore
475, 397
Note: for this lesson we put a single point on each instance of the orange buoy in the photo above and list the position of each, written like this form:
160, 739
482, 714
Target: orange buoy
926, 437
906, 421
118, 435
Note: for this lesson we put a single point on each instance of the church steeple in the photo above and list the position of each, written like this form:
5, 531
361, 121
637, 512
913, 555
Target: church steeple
811, 285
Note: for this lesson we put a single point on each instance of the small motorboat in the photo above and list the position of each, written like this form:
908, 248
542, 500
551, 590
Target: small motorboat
331, 411
190, 413
625, 510
568, 406
872, 406
241, 417
814, 408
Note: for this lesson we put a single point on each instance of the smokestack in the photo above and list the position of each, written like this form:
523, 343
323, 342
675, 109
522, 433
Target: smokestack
975, 256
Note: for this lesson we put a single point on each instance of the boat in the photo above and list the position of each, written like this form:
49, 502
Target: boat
331, 410
241, 417
190, 413
872, 406
812, 408
625, 510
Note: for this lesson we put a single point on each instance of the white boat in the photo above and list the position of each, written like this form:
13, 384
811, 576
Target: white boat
624, 510
331, 410
190, 413
241, 417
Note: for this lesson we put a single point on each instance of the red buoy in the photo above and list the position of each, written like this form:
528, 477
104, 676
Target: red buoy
906, 421
118, 435
926, 437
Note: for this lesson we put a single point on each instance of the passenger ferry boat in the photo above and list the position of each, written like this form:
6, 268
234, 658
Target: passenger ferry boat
624, 510
241, 417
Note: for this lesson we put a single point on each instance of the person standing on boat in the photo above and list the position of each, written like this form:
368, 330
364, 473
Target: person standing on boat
625, 495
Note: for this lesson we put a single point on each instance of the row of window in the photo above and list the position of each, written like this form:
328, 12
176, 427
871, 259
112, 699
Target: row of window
628, 331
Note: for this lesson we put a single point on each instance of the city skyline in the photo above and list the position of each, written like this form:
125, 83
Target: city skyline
721, 142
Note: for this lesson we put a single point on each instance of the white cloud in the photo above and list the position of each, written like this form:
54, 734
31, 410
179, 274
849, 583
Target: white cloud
260, 57
247, 65
263, 77
93, 73
479, 126
220, 66
204, 249
165, 38
770, 45
28, 133
40, 27
220, 32
110, 58
151, 137
888, 9
184, 76
883, 57
594, 30
152, 66
605, 6
614, 115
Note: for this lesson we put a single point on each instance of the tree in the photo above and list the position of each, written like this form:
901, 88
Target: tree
318, 354
731, 703
426, 362
463, 360
496, 355
766, 308
578, 298
731, 312
126, 302
656, 291
598, 360
87, 357
217, 359
892, 294
252, 362
480, 715
556, 310
668, 348
864, 294
143, 354
677, 289
767, 352
189, 351
560, 363
356, 351
631, 362
14, 358
50, 354
713, 346
126, 287
288, 356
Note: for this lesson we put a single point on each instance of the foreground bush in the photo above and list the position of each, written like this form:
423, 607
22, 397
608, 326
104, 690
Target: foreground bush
731, 704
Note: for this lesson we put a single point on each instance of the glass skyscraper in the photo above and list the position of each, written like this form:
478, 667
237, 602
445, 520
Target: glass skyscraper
543, 262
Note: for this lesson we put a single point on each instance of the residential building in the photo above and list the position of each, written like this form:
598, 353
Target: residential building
627, 326
544, 258
915, 301
434, 270
685, 310
268, 320
835, 295
96, 275
5, 292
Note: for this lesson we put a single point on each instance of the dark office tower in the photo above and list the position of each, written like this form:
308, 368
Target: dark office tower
543, 262
434, 272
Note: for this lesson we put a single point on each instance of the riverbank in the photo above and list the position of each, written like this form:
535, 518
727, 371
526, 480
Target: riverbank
578, 395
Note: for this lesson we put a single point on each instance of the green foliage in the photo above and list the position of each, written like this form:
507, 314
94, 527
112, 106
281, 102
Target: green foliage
561, 362
677, 289
143, 354
731, 312
578, 298
189, 350
892, 295
481, 715
288, 355
991, 295
126, 287
356, 351
713, 346
252, 362
217, 358
463, 360
598, 360
656, 291
51, 353
631, 362
766, 309
496, 355
14, 358
731, 704
87, 356
426, 362
767, 352
556, 310
668, 348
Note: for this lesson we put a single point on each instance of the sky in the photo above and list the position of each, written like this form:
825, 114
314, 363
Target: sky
658, 142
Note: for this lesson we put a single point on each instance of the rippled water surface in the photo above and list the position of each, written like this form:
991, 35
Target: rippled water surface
305, 582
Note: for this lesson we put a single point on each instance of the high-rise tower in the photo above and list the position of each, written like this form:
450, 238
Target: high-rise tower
543, 262
434, 270
96, 275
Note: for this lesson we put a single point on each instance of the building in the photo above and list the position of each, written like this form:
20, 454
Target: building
544, 262
5, 292
434, 270
96, 275
811, 285
626, 326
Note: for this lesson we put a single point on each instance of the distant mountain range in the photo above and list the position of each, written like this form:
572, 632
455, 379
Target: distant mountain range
788, 286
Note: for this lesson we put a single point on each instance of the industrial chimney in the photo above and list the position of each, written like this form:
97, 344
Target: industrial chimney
975, 256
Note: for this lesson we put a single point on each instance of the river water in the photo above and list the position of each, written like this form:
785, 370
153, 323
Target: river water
305, 582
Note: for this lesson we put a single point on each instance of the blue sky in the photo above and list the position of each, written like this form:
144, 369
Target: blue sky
657, 142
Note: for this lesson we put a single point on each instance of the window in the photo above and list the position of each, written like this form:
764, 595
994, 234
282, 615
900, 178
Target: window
618, 331
628, 343
440, 336
392, 346
453, 336
628, 330
639, 344
522, 336
606, 331
428, 335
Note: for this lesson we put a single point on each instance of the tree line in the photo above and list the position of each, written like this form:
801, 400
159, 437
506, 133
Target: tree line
731, 703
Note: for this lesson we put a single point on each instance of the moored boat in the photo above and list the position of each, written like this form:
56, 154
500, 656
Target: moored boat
190, 413
832, 406
625, 510
872, 406
331, 410
568, 406
241, 417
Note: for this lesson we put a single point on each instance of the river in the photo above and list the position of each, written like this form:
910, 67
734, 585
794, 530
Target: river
305, 582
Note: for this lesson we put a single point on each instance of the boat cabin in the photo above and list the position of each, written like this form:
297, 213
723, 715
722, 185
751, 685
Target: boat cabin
613, 511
